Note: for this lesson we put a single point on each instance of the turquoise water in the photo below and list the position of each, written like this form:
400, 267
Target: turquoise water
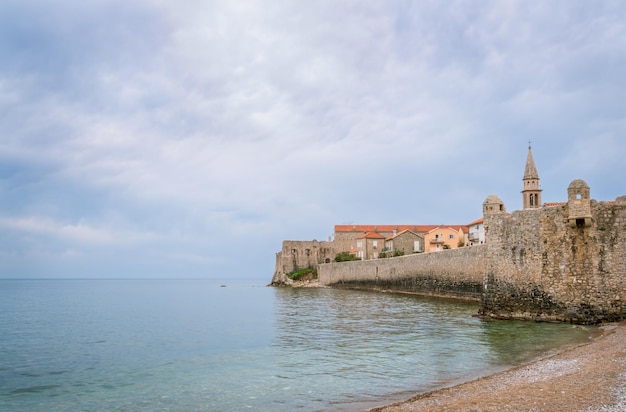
193, 345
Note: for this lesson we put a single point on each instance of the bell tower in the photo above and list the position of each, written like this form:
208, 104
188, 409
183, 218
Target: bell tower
531, 194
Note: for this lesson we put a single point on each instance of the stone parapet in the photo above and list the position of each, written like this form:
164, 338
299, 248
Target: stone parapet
452, 273
541, 267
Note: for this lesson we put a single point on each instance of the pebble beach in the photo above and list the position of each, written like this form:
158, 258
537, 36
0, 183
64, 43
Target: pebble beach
587, 378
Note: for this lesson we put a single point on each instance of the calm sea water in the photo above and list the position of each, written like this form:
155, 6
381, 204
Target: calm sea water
193, 345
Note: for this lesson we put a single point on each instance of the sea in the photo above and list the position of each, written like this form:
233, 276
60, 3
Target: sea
238, 345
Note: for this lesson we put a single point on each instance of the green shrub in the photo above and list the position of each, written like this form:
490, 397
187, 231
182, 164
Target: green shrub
345, 257
298, 274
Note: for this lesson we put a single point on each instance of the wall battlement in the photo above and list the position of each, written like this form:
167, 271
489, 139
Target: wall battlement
449, 273
544, 264
550, 262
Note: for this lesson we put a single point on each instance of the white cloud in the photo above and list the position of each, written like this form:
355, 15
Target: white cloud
78, 232
184, 129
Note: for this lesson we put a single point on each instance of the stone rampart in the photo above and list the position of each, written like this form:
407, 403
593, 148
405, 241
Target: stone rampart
451, 273
542, 267
559, 262
300, 254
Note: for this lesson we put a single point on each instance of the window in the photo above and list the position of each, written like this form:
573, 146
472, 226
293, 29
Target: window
416, 245
307, 252
359, 244
293, 251
451, 237
375, 244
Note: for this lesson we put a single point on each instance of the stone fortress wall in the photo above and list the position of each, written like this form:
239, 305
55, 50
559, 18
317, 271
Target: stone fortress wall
449, 273
554, 263
550, 262
563, 263
301, 254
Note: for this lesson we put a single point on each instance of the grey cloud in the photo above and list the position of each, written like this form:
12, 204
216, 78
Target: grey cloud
215, 124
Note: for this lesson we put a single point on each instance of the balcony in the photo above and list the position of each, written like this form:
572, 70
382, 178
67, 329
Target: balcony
437, 240
473, 237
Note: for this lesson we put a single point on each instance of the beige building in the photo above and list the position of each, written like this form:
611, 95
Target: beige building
445, 237
351, 238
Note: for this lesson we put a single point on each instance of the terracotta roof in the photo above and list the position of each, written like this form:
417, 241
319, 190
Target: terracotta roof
456, 228
399, 233
389, 228
371, 235
477, 221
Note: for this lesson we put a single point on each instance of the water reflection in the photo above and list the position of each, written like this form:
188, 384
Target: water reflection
373, 344
515, 342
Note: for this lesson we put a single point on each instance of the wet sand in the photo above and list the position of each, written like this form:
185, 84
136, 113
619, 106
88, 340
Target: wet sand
591, 377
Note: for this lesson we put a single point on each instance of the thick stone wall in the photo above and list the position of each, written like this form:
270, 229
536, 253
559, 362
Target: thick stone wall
540, 267
451, 273
299, 254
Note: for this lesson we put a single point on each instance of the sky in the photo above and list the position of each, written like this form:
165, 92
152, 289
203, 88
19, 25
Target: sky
188, 138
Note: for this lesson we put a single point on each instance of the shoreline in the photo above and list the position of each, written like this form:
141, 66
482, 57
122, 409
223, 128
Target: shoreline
587, 377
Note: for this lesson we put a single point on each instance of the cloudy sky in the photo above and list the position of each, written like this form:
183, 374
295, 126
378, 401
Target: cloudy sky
188, 138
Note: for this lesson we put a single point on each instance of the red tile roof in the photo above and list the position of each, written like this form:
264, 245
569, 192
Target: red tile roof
477, 221
391, 228
371, 235
399, 233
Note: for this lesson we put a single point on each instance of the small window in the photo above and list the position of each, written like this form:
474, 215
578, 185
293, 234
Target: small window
307, 252
579, 196
293, 251
375, 244
451, 237
359, 244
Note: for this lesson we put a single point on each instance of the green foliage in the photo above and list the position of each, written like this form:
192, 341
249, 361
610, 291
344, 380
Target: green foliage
382, 255
298, 274
398, 253
345, 257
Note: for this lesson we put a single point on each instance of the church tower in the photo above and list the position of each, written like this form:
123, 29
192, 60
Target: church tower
531, 194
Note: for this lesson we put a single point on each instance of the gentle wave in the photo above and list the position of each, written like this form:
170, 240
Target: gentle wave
197, 346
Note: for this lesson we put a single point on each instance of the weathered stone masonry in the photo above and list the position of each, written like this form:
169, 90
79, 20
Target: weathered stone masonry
451, 273
547, 264
550, 264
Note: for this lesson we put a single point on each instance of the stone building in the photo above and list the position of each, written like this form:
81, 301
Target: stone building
579, 203
404, 243
531, 193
